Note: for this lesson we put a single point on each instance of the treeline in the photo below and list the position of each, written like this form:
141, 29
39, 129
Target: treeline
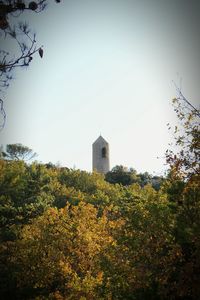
123, 175
69, 234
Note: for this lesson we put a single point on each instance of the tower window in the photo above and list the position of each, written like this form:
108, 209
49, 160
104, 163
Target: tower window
103, 152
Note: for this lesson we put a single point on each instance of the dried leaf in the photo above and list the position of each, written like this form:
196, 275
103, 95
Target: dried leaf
41, 52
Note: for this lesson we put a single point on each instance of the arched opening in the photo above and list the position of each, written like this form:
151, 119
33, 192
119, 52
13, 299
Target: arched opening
103, 152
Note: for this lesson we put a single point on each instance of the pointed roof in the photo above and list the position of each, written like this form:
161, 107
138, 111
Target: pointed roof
100, 140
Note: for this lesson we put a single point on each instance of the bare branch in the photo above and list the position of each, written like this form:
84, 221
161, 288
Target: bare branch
22, 36
3, 114
181, 97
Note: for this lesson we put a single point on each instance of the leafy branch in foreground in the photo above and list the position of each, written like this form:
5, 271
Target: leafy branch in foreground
185, 163
183, 192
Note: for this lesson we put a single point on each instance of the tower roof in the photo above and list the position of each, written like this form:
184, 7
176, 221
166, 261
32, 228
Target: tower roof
100, 140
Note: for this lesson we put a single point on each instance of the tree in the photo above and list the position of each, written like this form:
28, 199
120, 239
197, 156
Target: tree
185, 162
120, 174
18, 152
22, 36
58, 255
142, 265
125, 176
26, 191
184, 191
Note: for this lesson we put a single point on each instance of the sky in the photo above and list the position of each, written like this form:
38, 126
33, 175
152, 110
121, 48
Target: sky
108, 68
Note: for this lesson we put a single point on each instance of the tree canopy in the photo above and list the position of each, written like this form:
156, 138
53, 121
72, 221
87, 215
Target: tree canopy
128, 176
70, 234
18, 152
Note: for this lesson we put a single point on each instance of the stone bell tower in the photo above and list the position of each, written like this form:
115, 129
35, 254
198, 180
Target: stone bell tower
100, 156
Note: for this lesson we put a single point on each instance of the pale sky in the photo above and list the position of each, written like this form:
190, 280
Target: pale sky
108, 67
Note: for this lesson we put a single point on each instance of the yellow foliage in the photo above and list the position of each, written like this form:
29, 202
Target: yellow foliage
64, 245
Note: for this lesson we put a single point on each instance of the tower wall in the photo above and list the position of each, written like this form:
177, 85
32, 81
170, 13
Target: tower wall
100, 156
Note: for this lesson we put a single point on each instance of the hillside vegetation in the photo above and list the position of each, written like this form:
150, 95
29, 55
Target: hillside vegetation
69, 234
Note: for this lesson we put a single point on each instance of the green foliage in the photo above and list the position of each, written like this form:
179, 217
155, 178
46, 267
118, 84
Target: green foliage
80, 180
69, 234
119, 174
25, 194
184, 191
73, 251
125, 176
146, 252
